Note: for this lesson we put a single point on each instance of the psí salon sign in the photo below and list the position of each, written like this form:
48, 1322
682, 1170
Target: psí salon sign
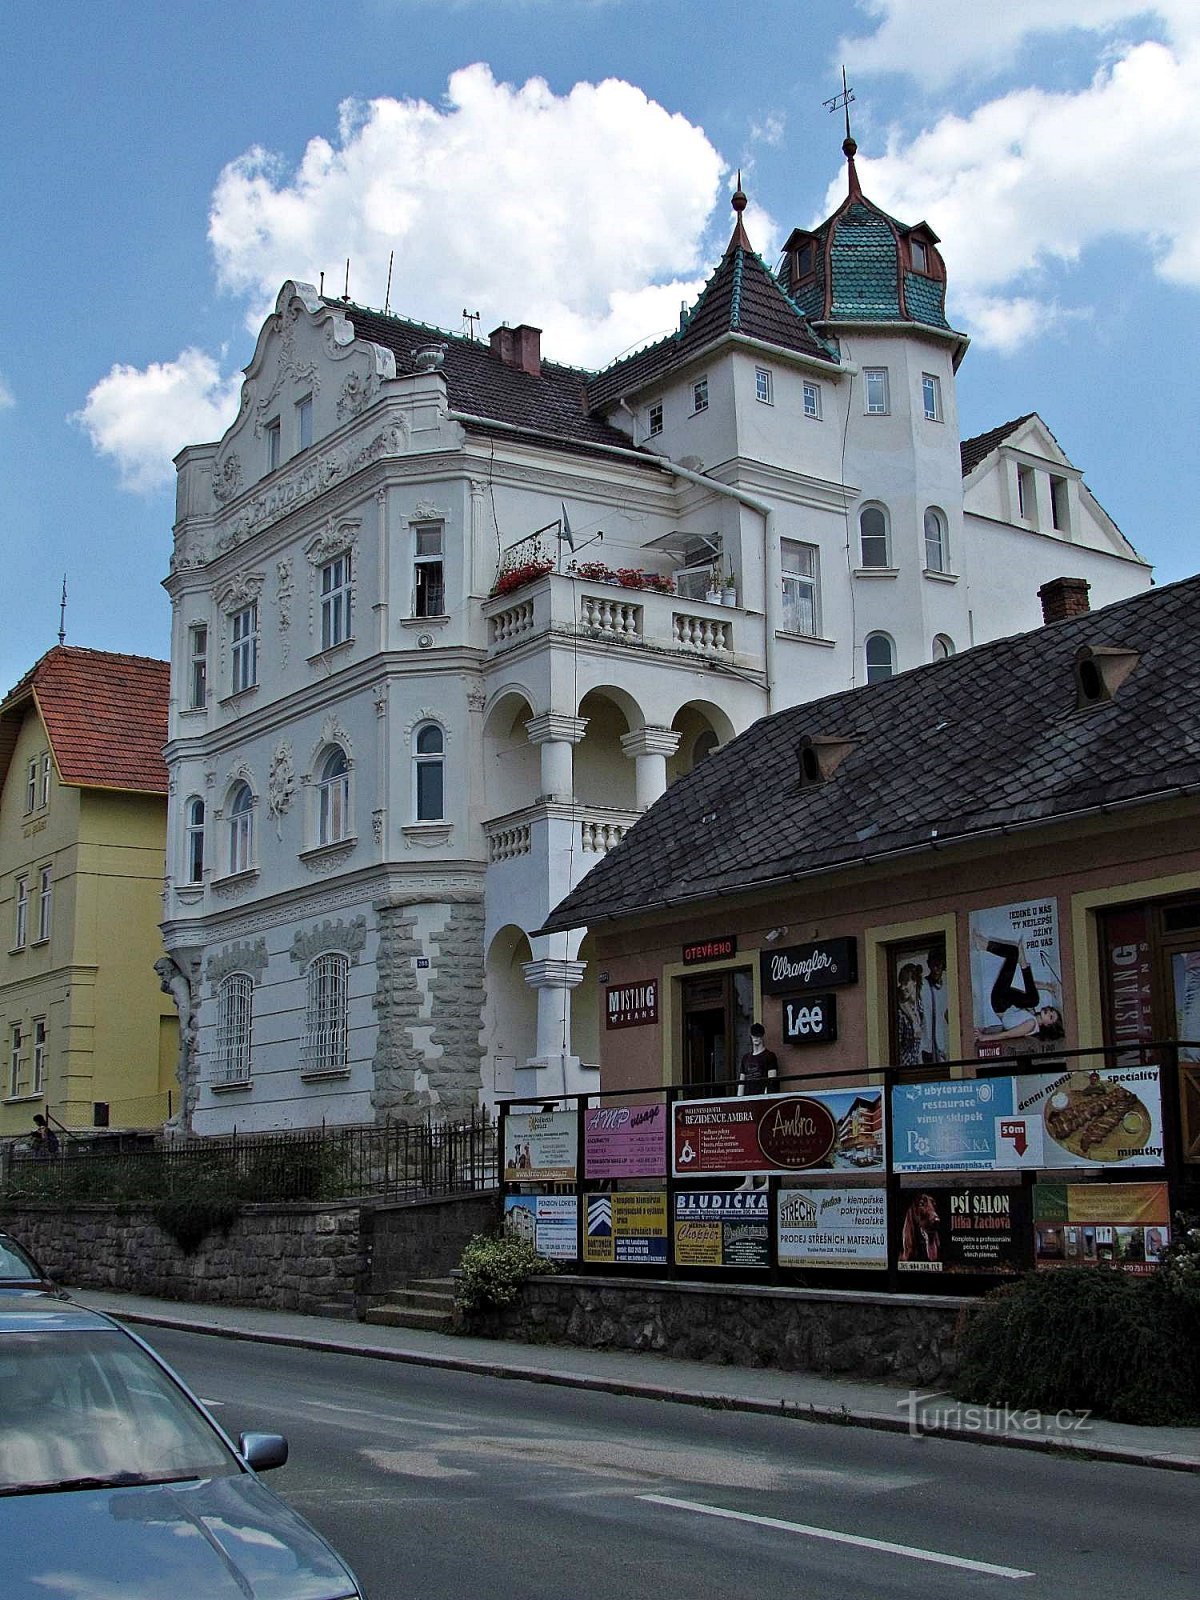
825, 964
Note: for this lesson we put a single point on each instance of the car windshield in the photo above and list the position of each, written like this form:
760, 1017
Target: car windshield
15, 1265
81, 1408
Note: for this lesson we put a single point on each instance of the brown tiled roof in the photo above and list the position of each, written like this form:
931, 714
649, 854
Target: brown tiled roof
985, 742
742, 296
105, 715
975, 450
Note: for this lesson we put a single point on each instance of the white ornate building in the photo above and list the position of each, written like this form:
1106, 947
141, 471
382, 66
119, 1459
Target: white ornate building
385, 774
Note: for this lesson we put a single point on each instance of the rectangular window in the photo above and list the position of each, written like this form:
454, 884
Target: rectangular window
801, 608
656, 419
44, 796
700, 395
931, 396
429, 582
244, 625
918, 255
273, 445
235, 1018
327, 1033
197, 667
812, 401
762, 385
31, 774
1059, 514
1026, 494
14, 1060
45, 898
335, 601
39, 1055
21, 928
878, 399
195, 840
304, 422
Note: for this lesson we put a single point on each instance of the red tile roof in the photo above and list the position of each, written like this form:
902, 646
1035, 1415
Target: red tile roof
105, 714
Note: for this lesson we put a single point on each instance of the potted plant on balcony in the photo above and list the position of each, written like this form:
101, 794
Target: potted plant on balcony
728, 588
713, 593
527, 572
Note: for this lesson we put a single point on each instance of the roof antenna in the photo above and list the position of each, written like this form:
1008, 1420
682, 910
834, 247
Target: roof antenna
321, 290
387, 299
470, 323
346, 290
62, 613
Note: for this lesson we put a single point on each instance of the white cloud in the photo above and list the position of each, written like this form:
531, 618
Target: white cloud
7, 398
584, 212
144, 417
1030, 181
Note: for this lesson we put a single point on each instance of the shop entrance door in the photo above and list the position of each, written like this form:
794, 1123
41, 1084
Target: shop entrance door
717, 1011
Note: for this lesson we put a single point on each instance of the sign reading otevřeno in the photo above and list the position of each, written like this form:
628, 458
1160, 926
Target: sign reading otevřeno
822, 965
825, 1130
625, 1141
1107, 1117
541, 1147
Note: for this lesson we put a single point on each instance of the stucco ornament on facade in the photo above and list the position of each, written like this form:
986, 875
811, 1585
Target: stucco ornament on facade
242, 589
248, 956
227, 479
358, 391
281, 785
283, 598
345, 938
290, 368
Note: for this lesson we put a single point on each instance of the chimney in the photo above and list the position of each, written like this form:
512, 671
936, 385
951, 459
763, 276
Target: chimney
1064, 597
519, 347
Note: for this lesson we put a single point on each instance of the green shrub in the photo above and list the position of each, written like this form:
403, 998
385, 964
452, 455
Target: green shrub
190, 1217
493, 1269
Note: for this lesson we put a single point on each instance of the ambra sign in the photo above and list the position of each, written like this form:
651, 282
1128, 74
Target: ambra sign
826, 1130
825, 964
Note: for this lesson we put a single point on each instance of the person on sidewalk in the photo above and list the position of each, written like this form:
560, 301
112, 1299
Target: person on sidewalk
759, 1069
45, 1140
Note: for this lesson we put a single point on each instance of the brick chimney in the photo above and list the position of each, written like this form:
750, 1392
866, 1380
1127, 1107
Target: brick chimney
519, 347
1064, 597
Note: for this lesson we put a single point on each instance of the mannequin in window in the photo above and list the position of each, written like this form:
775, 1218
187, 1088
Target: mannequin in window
759, 1069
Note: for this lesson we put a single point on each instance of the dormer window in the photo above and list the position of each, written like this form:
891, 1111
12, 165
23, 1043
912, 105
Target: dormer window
1100, 670
919, 256
806, 261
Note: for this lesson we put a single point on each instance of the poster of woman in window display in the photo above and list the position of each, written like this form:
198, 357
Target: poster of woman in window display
920, 1004
1016, 979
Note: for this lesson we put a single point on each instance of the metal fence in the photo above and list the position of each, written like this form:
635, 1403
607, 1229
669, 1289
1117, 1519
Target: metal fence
392, 1161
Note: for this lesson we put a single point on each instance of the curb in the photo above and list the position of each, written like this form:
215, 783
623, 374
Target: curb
713, 1400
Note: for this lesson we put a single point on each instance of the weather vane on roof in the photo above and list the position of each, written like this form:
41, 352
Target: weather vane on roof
841, 102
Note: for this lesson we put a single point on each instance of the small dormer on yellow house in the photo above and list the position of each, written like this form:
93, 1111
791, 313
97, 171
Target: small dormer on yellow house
87, 1035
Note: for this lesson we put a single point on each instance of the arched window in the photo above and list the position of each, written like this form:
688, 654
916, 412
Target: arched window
194, 840
881, 657
235, 1011
943, 647
333, 798
873, 537
937, 546
241, 828
429, 763
326, 1033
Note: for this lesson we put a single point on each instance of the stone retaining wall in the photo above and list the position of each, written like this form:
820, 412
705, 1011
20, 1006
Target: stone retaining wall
902, 1337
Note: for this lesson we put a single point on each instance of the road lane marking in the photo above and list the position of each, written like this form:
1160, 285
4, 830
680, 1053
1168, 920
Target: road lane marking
884, 1546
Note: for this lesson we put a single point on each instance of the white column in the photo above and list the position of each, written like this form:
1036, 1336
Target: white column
557, 734
554, 1070
649, 748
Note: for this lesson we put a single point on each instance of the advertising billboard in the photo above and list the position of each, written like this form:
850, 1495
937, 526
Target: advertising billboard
963, 1227
550, 1222
717, 1228
623, 1141
541, 1147
832, 1227
1016, 979
1086, 1224
626, 1229
826, 1130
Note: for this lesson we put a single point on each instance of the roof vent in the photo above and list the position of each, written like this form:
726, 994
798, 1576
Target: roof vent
1100, 670
429, 357
820, 758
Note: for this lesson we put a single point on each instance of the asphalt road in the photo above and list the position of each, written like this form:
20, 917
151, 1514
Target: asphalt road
448, 1486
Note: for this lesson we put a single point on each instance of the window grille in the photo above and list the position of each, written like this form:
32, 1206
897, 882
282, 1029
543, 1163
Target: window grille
235, 1008
326, 1035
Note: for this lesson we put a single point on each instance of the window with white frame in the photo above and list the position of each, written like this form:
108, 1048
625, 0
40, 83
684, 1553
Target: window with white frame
931, 396
1026, 495
193, 869
874, 541
244, 631
45, 901
304, 419
333, 798
429, 773
39, 1055
197, 666
429, 572
943, 647
335, 601
235, 1017
274, 445
31, 778
801, 597
241, 829
937, 550
700, 395
44, 787
327, 1015
1060, 516
880, 652
812, 401
878, 395
15, 1042
762, 385
654, 419
21, 926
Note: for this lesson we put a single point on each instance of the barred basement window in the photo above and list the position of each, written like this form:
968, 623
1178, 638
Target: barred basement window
235, 1013
326, 1038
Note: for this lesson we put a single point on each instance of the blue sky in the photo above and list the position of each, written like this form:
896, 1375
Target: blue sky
567, 163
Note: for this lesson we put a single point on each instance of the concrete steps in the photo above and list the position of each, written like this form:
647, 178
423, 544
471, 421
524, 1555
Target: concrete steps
425, 1303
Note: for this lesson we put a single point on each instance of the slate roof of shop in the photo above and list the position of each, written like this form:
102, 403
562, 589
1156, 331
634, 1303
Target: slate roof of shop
105, 716
988, 740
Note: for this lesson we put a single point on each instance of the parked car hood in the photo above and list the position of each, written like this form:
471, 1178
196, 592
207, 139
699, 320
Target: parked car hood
214, 1537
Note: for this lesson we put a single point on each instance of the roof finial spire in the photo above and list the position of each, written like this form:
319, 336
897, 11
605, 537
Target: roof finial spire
62, 613
841, 102
739, 203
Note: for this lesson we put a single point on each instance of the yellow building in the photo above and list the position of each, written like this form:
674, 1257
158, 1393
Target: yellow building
86, 1033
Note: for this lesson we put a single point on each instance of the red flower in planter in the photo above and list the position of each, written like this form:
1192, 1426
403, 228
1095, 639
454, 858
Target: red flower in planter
518, 577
